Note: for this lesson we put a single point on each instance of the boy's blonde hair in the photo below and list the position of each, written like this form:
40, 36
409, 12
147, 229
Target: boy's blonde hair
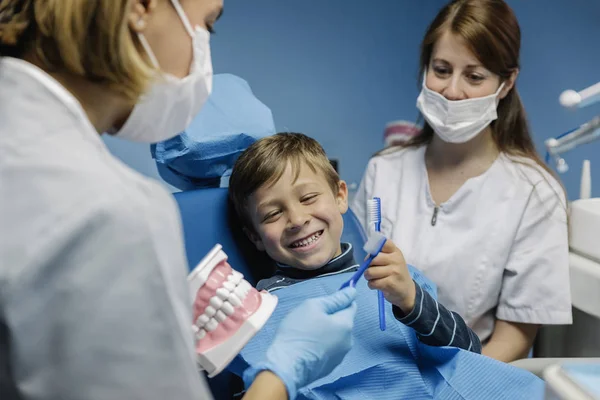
86, 38
265, 161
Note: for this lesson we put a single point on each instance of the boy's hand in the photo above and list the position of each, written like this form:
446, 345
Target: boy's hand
388, 272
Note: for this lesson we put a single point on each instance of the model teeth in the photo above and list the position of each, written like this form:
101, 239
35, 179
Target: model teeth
216, 302
307, 241
235, 277
227, 308
202, 320
222, 293
210, 311
223, 304
220, 316
200, 334
242, 289
234, 300
212, 325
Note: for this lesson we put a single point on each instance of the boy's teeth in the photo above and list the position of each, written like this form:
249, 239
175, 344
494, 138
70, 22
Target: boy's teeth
306, 242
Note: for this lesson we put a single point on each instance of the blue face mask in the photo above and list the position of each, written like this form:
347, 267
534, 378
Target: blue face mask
230, 121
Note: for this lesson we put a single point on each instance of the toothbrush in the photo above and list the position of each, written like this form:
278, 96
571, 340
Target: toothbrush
374, 219
373, 246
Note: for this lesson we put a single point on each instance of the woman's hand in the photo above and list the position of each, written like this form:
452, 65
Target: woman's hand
311, 341
388, 272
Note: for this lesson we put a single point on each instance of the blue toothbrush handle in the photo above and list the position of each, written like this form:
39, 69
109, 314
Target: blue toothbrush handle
380, 298
381, 301
345, 284
361, 270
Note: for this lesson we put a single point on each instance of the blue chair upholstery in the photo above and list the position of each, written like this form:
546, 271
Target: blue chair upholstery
209, 218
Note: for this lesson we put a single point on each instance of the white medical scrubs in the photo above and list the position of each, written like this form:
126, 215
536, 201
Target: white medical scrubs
93, 295
498, 248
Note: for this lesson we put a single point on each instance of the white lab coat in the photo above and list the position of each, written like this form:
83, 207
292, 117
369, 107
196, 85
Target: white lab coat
499, 247
93, 296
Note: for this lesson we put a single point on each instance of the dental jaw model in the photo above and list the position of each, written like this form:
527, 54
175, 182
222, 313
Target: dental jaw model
227, 311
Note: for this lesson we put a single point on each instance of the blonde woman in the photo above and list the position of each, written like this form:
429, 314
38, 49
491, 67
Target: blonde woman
93, 296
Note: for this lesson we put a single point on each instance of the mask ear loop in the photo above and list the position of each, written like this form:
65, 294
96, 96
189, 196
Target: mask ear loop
186, 23
502, 85
183, 17
148, 50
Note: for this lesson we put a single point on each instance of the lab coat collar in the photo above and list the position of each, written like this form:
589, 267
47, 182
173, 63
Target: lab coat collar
462, 193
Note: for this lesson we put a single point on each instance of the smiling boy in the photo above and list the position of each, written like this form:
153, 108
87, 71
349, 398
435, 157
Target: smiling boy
291, 202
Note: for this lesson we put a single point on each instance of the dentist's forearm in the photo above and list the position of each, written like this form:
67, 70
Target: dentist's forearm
267, 386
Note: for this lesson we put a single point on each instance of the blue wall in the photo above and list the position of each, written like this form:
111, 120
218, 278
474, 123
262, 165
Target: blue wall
339, 70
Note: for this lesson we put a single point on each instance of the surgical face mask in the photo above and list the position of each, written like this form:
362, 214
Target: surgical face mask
171, 103
227, 311
457, 121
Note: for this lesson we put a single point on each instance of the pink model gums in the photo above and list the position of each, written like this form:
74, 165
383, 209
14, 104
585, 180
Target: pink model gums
227, 311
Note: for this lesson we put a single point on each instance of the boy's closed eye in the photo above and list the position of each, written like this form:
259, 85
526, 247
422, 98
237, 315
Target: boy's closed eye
309, 198
270, 216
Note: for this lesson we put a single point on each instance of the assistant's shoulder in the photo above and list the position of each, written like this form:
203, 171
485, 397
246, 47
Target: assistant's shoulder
535, 180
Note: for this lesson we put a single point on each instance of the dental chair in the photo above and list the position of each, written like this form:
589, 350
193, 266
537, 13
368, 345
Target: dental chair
209, 218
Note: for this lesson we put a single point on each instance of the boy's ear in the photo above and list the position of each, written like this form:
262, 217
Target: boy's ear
255, 239
342, 197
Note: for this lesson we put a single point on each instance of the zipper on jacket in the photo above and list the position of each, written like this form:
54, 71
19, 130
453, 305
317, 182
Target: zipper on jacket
434, 216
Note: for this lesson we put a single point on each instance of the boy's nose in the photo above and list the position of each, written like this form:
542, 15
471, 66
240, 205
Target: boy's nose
297, 218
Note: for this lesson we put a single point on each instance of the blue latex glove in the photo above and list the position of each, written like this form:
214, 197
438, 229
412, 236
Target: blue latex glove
310, 342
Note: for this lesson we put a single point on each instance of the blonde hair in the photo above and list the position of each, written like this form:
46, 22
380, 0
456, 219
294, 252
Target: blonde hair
86, 38
265, 161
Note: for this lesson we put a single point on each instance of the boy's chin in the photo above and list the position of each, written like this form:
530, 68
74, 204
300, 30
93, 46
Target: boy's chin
311, 265
307, 262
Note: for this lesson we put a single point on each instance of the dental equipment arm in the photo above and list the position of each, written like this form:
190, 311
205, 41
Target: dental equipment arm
586, 133
586, 97
227, 313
